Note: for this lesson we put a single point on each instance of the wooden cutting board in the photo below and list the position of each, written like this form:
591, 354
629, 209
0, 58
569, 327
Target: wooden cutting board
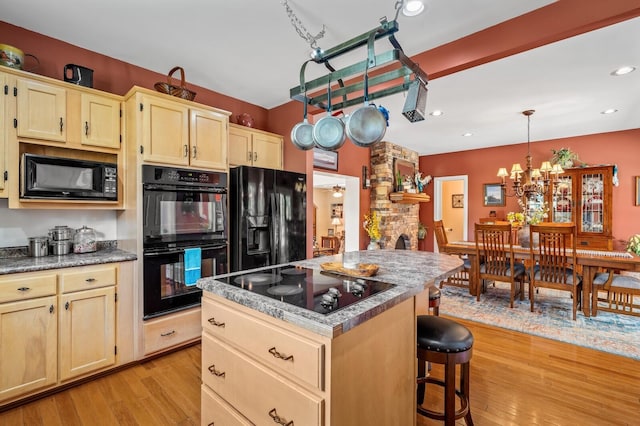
362, 270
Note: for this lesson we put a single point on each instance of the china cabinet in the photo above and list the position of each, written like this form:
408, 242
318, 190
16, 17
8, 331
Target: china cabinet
584, 196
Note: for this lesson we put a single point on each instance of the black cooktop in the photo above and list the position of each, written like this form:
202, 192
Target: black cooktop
318, 291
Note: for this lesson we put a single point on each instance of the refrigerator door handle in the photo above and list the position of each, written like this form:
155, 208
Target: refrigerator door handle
273, 218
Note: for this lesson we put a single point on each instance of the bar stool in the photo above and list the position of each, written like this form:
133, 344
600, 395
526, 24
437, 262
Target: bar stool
443, 341
434, 300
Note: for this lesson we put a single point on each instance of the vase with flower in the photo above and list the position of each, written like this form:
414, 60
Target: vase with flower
371, 224
531, 214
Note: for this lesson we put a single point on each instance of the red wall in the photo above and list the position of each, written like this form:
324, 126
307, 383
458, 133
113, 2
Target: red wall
481, 165
558, 20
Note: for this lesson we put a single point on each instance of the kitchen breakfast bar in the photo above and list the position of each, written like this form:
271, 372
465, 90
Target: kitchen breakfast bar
267, 359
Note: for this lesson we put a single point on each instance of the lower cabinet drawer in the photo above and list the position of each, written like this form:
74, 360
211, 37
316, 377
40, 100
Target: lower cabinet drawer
29, 285
278, 348
260, 394
214, 411
87, 277
171, 330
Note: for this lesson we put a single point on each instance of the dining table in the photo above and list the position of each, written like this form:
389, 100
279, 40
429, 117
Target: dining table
590, 262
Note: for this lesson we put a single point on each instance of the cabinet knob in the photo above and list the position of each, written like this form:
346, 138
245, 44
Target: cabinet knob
61, 124
255, 156
51, 309
66, 306
280, 420
24, 289
195, 151
213, 321
212, 370
86, 128
169, 333
278, 355
186, 151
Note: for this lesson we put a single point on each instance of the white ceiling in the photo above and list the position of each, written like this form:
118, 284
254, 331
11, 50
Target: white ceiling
249, 50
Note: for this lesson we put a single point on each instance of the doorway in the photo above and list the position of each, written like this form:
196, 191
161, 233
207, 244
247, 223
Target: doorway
350, 208
451, 206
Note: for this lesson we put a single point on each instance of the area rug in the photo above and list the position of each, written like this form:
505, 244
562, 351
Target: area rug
552, 318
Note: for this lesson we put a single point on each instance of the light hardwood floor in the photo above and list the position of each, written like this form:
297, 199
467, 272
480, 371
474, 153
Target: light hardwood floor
516, 379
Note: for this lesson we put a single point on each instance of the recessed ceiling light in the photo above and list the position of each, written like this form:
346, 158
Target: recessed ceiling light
623, 70
467, 134
413, 8
436, 113
609, 111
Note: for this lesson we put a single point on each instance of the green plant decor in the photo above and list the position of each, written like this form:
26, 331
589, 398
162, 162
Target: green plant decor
565, 157
634, 244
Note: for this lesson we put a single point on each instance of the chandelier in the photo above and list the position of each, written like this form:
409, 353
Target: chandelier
337, 191
530, 182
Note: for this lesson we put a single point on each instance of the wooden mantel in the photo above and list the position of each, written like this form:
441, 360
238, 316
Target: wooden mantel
409, 198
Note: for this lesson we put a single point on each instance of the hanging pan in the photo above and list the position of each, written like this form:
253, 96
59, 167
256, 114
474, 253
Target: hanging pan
367, 124
302, 133
328, 132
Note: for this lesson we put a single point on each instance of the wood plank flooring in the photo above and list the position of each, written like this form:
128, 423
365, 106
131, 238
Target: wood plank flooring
516, 379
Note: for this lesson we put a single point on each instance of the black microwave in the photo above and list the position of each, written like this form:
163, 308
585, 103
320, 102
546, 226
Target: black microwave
44, 177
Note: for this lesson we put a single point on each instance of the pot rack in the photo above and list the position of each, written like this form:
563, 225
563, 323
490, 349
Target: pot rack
407, 69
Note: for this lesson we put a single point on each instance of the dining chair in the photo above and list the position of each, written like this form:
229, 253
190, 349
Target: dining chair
496, 260
461, 278
620, 293
555, 261
332, 243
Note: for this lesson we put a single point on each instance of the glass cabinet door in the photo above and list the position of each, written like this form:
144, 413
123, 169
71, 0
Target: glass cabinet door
592, 206
563, 200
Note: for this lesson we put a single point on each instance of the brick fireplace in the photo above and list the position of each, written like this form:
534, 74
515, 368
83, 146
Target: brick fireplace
398, 222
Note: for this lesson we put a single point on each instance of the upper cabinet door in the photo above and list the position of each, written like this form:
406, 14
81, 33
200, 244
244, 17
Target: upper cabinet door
100, 121
240, 147
208, 137
41, 111
165, 131
267, 151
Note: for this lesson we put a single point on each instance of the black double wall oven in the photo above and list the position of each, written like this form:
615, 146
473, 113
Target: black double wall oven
185, 215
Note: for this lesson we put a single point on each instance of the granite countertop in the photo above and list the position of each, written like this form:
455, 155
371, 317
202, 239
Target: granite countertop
411, 272
14, 265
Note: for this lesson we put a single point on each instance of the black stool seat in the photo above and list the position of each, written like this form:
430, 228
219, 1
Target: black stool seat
444, 341
442, 335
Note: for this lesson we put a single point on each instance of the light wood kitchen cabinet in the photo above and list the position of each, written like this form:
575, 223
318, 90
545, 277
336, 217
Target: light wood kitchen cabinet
87, 320
41, 110
250, 147
171, 330
584, 196
179, 133
28, 333
4, 95
270, 371
75, 118
100, 121
55, 326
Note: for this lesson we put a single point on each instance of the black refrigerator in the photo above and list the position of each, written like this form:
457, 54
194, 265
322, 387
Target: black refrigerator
268, 217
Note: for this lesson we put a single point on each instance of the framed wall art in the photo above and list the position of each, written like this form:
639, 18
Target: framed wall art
403, 172
493, 195
637, 190
457, 201
325, 159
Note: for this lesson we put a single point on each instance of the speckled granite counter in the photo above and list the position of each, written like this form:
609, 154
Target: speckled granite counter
411, 271
13, 265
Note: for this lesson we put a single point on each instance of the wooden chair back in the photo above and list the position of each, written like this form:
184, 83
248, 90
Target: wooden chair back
555, 260
441, 234
496, 259
556, 252
330, 242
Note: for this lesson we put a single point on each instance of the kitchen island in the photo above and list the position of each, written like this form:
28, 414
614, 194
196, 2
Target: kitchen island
265, 360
